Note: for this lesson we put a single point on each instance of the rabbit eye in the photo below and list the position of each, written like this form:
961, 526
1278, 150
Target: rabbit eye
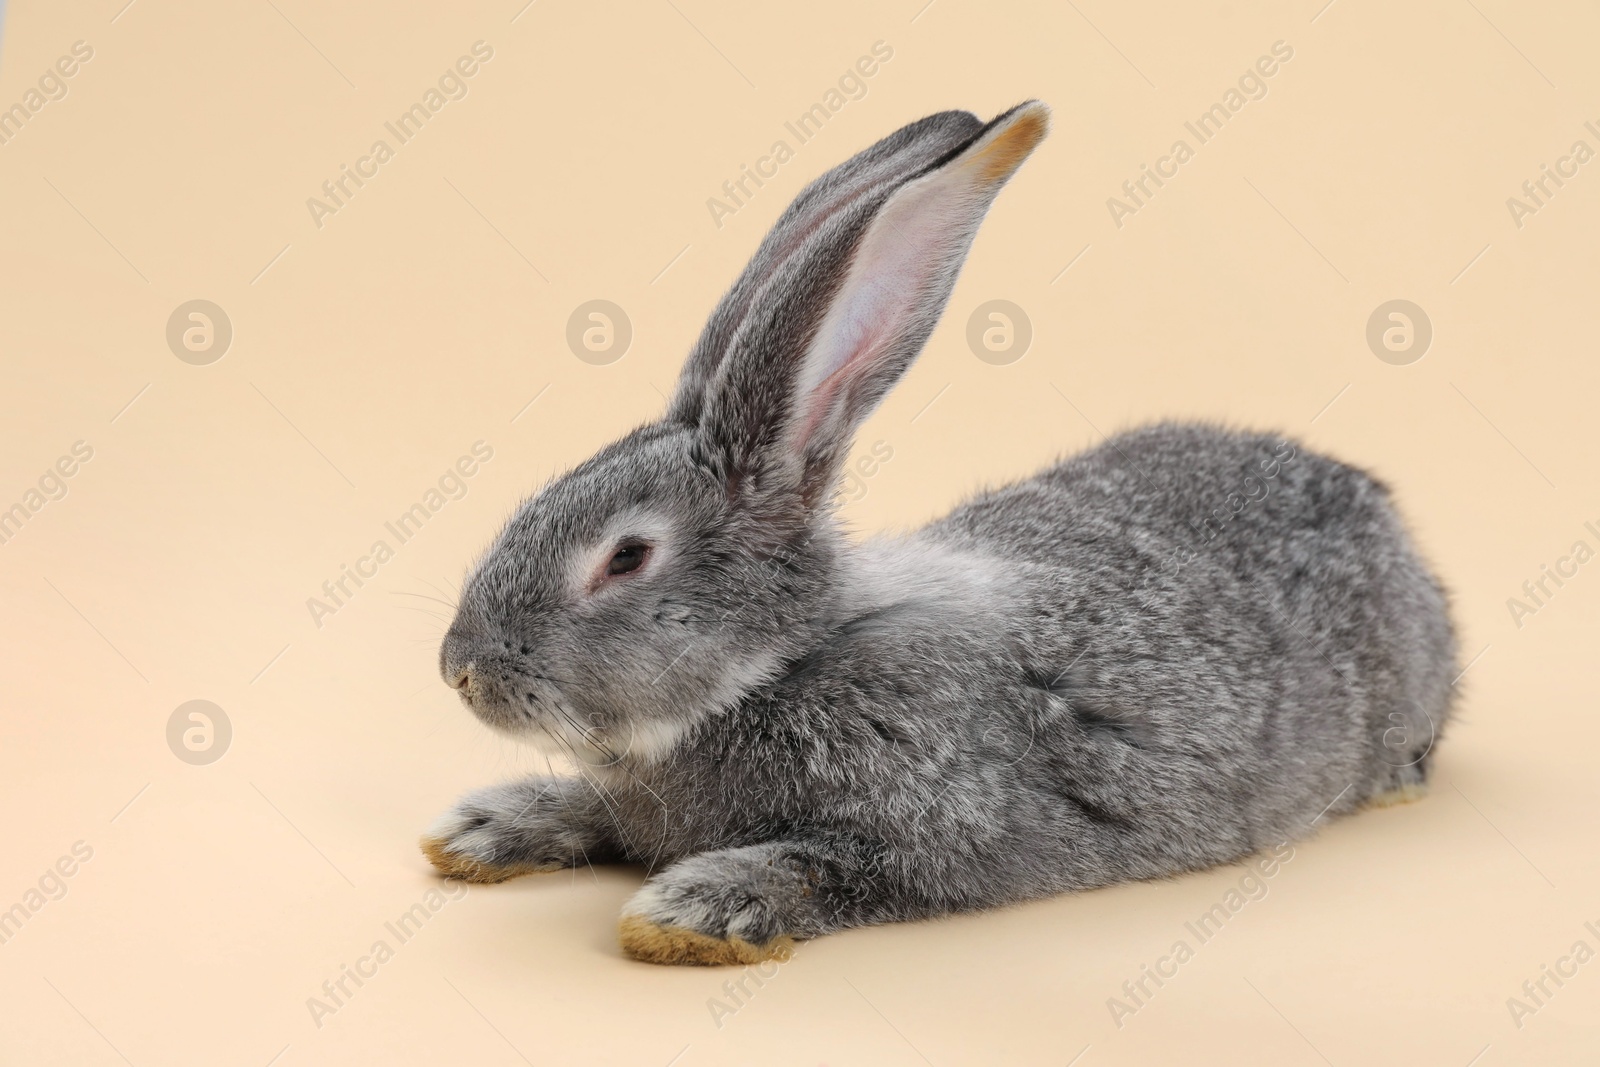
629, 558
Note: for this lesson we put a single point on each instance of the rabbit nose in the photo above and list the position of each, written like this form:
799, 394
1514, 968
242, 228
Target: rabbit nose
458, 661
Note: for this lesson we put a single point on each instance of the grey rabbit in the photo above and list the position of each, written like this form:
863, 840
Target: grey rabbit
1165, 653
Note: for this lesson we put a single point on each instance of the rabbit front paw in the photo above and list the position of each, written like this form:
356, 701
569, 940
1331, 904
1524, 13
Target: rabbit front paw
502, 832
729, 907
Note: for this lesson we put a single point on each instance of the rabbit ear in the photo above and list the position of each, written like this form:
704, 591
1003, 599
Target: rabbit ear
903, 154
841, 318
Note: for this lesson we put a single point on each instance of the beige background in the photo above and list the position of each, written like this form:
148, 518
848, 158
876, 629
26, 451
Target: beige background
431, 309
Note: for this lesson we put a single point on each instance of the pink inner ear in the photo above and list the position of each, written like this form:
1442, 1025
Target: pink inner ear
897, 258
822, 400
820, 215
898, 281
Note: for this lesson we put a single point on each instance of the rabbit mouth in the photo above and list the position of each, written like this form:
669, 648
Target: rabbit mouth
532, 707
514, 700
509, 699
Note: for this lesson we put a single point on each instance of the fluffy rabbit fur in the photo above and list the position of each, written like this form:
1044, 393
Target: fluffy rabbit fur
1170, 651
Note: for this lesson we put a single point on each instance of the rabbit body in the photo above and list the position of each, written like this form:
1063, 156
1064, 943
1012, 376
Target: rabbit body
1064, 683
1165, 653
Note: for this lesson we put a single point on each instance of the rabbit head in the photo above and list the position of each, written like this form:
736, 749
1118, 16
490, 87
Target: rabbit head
697, 557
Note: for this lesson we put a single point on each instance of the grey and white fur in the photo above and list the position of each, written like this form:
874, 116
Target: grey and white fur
1165, 653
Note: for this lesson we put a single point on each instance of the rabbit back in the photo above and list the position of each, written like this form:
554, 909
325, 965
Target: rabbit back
1239, 628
